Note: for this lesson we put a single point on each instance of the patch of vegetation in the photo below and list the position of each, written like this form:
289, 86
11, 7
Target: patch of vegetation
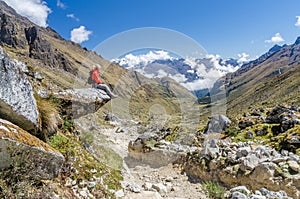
49, 118
109, 157
14, 184
232, 131
68, 124
214, 190
85, 166
173, 136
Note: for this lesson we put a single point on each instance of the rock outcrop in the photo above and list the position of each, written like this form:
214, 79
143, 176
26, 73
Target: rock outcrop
38, 47
254, 166
8, 34
17, 103
217, 124
26, 154
80, 102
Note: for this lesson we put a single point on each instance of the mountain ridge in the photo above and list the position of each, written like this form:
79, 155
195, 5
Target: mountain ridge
274, 75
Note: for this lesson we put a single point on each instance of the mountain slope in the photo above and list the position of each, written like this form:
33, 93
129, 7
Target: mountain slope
65, 64
271, 79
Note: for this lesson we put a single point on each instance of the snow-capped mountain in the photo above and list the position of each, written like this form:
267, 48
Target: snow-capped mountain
194, 74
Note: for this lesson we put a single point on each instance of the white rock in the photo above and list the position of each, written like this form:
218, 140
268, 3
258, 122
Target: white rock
92, 184
254, 196
238, 195
93, 171
241, 189
159, 187
134, 188
119, 193
294, 165
147, 186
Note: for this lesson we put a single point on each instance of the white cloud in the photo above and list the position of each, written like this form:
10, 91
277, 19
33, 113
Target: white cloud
298, 21
275, 39
79, 35
207, 71
36, 11
131, 60
72, 16
60, 4
242, 58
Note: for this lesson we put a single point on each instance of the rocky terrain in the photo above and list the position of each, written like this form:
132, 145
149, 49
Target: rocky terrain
59, 138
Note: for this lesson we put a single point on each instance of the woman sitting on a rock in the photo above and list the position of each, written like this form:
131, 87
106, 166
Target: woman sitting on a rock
99, 84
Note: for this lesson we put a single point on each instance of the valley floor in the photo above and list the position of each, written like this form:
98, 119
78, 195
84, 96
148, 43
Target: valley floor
141, 180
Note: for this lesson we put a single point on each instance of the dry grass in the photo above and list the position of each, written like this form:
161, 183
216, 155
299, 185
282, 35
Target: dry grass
49, 118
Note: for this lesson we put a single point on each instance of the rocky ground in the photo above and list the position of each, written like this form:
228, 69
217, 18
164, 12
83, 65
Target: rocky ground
142, 180
148, 157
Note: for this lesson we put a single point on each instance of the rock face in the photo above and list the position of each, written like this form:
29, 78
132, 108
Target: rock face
7, 31
41, 49
80, 102
17, 103
38, 48
217, 124
27, 154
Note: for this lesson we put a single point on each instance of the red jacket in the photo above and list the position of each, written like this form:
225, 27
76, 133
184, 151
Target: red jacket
95, 76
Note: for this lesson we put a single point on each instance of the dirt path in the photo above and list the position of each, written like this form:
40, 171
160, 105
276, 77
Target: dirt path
142, 181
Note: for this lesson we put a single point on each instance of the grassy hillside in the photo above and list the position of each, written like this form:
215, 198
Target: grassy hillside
272, 79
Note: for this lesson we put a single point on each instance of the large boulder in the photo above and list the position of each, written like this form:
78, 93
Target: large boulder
17, 103
217, 124
28, 155
80, 102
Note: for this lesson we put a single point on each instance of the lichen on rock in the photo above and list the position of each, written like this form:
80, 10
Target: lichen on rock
27, 154
17, 102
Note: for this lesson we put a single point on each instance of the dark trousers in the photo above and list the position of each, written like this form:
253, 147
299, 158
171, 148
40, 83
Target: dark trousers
106, 89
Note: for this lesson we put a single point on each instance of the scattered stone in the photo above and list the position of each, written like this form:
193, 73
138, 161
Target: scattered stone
147, 186
92, 184
238, 195
169, 179
250, 162
120, 193
68, 182
134, 188
245, 124
241, 189
261, 132
93, 171
249, 135
293, 165
254, 196
256, 192
160, 188
243, 151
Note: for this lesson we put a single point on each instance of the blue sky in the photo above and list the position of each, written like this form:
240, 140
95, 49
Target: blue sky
222, 27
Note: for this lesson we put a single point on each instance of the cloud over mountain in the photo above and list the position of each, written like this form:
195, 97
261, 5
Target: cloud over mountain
36, 11
275, 39
192, 73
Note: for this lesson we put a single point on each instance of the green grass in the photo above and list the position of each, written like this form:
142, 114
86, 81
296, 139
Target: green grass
214, 190
84, 162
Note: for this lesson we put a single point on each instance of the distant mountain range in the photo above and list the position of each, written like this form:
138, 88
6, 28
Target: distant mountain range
197, 75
